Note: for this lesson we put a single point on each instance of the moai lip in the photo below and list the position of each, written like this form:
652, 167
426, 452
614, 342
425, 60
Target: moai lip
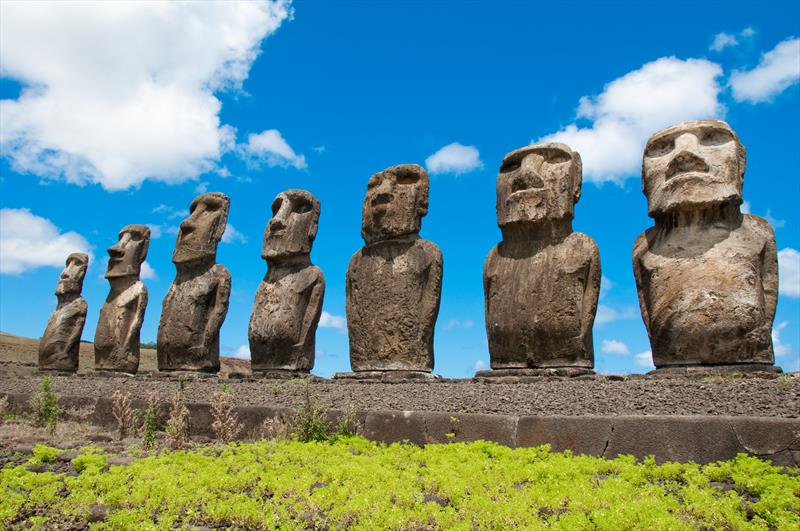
394, 281
706, 274
60, 344
196, 304
542, 281
288, 302
116, 339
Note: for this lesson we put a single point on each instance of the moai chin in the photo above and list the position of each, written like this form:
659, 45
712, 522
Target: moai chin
542, 281
288, 302
116, 339
707, 275
197, 301
60, 344
394, 282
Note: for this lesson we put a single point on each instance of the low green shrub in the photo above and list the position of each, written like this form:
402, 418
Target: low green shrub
45, 405
44, 454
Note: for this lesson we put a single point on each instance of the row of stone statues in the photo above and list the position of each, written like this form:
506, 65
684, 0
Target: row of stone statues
706, 274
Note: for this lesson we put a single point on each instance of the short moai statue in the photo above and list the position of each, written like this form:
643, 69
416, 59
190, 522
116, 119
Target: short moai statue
288, 303
542, 281
116, 339
197, 301
394, 282
60, 344
707, 275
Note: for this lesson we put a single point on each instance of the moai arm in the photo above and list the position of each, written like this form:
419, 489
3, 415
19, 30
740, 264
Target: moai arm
80, 320
769, 276
138, 308
639, 248
591, 291
219, 309
431, 294
313, 309
487, 286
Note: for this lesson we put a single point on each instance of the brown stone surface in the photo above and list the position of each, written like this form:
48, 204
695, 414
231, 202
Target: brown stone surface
197, 301
542, 281
394, 282
59, 346
116, 338
707, 275
386, 376
288, 302
585, 435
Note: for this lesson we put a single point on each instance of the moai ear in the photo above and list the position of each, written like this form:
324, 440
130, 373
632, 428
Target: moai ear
315, 212
145, 242
222, 223
577, 176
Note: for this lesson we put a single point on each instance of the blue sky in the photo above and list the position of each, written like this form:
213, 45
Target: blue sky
122, 114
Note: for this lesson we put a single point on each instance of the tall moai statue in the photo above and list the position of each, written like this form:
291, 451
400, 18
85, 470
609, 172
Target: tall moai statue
707, 275
542, 281
288, 303
197, 302
59, 346
116, 339
394, 282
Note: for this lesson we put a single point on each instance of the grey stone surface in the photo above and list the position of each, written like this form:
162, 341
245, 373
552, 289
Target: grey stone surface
116, 338
395, 426
394, 282
197, 301
288, 302
583, 435
542, 281
58, 348
707, 275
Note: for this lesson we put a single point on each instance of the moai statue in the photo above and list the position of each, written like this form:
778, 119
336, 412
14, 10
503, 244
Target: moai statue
58, 348
116, 339
288, 302
197, 302
542, 281
394, 282
707, 275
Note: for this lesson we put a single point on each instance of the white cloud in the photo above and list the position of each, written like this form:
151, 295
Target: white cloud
612, 346
328, 320
242, 353
644, 359
789, 272
748, 32
201, 188
778, 69
28, 241
776, 223
319, 149
745, 208
455, 323
155, 231
270, 147
781, 349
231, 235
480, 365
454, 158
605, 286
119, 92
147, 272
661, 93
607, 314
723, 40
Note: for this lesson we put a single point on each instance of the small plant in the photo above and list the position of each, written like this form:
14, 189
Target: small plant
93, 460
149, 424
226, 423
454, 423
276, 389
45, 405
348, 424
274, 428
310, 419
44, 454
123, 412
784, 382
178, 422
3, 408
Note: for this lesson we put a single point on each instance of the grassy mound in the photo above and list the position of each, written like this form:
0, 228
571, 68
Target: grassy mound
355, 483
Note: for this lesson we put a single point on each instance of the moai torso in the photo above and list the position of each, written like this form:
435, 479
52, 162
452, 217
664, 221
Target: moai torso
394, 282
288, 302
706, 274
116, 339
197, 301
541, 283
60, 344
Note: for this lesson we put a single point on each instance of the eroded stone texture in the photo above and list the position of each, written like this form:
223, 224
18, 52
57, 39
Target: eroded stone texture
197, 301
58, 348
288, 303
394, 282
707, 275
542, 281
116, 339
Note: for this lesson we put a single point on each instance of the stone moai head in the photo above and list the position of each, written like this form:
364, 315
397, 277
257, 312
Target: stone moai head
293, 226
540, 182
396, 201
692, 165
126, 256
201, 232
71, 279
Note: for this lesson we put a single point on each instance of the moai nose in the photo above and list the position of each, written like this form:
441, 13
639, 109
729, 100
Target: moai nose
531, 170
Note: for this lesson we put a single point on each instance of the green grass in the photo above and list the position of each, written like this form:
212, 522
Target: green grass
358, 484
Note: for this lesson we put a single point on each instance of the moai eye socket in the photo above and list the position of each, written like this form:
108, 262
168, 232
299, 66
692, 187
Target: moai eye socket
302, 206
556, 156
510, 164
373, 182
660, 147
407, 177
276, 205
715, 137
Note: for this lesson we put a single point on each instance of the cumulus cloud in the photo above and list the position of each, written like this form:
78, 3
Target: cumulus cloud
480, 365
147, 272
781, 349
242, 353
456, 323
789, 272
454, 158
28, 241
231, 235
270, 148
118, 92
612, 346
632, 107
722, 40
328, 320
605, 286
607, 314
644, 359
778, 69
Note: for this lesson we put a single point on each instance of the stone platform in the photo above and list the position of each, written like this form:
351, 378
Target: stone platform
387, 376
